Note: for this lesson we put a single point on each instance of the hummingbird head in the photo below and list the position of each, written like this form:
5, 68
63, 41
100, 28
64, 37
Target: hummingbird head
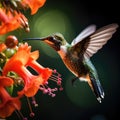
55, 40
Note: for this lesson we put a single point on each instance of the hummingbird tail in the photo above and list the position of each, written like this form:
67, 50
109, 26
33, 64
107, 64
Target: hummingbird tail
96, 88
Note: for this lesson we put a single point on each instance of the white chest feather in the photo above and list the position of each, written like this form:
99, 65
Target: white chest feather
62, 52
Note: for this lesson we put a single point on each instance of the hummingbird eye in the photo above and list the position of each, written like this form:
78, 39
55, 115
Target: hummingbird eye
54, 42
57, 41
57, 38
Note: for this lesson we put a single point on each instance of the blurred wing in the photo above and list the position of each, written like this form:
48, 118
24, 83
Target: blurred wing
91, 44
99, 38
85, 33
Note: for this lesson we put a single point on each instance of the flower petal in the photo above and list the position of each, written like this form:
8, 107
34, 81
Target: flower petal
35, 55
8, 104
34, 5
32, 87
5, 81
11, 21
2, 47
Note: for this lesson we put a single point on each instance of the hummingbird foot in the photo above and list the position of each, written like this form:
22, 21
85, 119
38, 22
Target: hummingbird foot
56, 78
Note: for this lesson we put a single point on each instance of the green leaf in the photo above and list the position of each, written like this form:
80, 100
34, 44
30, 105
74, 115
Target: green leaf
10, 89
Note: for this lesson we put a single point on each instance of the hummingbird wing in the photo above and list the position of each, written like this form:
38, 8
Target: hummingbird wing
85, 33
89, 45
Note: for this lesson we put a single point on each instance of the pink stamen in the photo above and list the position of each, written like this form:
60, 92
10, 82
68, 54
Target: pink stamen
34, 102
31, 112
20, 115
25, 119
55, 77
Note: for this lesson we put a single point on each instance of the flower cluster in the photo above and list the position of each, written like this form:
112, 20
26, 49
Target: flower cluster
15, 61
11, 17
17, 80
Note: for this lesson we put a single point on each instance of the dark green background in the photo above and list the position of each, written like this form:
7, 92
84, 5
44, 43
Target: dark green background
70, 18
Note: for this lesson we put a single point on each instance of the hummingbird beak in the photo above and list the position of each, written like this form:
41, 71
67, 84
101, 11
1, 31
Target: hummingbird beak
27, 39
50, 40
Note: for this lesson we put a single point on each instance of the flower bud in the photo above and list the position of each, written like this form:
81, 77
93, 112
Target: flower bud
11, 41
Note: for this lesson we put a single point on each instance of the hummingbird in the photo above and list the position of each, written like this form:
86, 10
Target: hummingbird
76, 56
